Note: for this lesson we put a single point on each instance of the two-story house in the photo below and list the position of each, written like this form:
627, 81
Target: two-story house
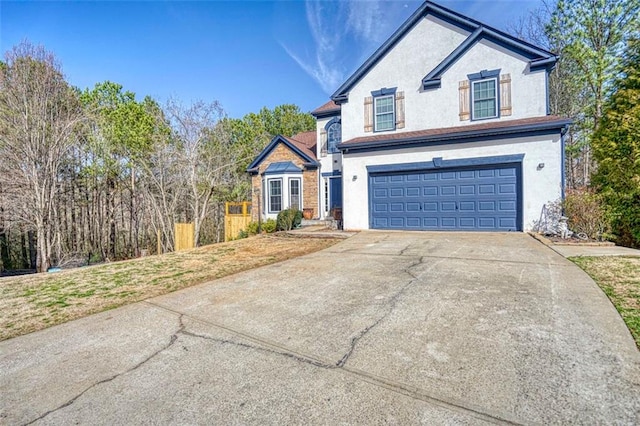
445, 127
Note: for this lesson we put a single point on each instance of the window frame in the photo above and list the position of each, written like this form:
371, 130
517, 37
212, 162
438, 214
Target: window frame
379, 95
332, 149
376, 99
299, 195
481, 77
269, 195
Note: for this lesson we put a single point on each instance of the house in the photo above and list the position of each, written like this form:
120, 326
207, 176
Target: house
285, 175
445, 127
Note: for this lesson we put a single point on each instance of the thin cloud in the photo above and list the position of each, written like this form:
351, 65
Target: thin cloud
341, 31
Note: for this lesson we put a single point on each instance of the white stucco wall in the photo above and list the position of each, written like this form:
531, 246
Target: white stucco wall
328, 164
539, 185
421, 50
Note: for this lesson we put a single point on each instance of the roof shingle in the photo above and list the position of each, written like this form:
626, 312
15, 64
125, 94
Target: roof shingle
456, 132
305, 142
330, 106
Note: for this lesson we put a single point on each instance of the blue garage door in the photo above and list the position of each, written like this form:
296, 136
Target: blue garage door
474, 199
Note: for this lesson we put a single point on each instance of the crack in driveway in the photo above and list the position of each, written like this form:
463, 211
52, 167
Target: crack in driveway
391, 305
259, 344
172, 340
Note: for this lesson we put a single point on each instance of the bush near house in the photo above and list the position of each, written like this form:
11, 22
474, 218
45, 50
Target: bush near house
268, 227
289, 219
587, 213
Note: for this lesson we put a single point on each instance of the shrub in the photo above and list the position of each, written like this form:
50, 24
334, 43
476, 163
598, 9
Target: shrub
252, 228
242, 234
269, 226
289, 219
586, 213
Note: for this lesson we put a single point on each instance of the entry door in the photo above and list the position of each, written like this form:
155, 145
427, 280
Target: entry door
335, 192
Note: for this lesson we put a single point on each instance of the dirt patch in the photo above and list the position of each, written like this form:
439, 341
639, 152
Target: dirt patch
619, 278
32, 302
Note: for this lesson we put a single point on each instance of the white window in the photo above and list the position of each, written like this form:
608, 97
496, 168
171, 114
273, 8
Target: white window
484, 97
275, 195
384, 114
294, 193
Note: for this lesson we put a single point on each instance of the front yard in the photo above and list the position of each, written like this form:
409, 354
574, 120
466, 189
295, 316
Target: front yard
32, 302
619, 278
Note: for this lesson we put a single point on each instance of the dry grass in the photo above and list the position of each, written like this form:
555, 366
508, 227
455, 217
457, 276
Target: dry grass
32, 302
619, 278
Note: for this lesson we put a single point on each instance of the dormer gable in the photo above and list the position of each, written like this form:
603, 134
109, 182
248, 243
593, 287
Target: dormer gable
538, 58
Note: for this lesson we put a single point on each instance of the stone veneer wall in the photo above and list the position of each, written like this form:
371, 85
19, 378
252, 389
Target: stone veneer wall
309, 180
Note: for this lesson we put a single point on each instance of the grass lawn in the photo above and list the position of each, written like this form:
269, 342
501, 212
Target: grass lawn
33, 302
619, 278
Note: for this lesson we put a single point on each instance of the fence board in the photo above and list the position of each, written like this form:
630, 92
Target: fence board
184, 236
236, 218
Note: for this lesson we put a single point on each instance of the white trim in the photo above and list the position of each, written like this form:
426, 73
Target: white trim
268, 201
299, 180
375, 112
495, 97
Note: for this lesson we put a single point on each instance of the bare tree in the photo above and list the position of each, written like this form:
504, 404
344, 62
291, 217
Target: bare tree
38, 114
206, 153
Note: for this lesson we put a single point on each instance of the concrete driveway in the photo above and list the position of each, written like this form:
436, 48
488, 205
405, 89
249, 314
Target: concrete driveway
401, 328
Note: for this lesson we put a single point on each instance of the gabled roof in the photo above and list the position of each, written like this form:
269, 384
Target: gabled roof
327, 110
306, 142
466, 133
302, 144
539, 58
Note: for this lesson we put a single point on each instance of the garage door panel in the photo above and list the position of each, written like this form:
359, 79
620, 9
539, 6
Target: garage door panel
467, 206
380, 207
448, 222
507, 188
484, 198
467, 189
448, 206
397, 207
468, 223
413, 222
486, 173
396, 192
380, 193
430, 207
507, 206
487, 206
430, 191
413, 192
448, 190
486, 223
413, 207
486, 189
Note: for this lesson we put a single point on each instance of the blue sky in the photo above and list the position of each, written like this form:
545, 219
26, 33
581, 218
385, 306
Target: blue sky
245, 55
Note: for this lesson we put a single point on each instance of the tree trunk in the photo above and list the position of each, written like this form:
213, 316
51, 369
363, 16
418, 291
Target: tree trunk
33, 253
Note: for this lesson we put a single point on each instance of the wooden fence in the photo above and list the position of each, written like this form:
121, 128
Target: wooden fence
184, 236
236, 218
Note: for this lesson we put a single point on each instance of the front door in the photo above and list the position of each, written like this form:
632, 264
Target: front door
335, 192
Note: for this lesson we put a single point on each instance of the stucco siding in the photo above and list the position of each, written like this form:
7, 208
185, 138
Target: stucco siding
328, 163
419, 52
539, 185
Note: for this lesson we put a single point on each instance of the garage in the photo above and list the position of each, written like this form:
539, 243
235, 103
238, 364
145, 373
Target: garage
472, 198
